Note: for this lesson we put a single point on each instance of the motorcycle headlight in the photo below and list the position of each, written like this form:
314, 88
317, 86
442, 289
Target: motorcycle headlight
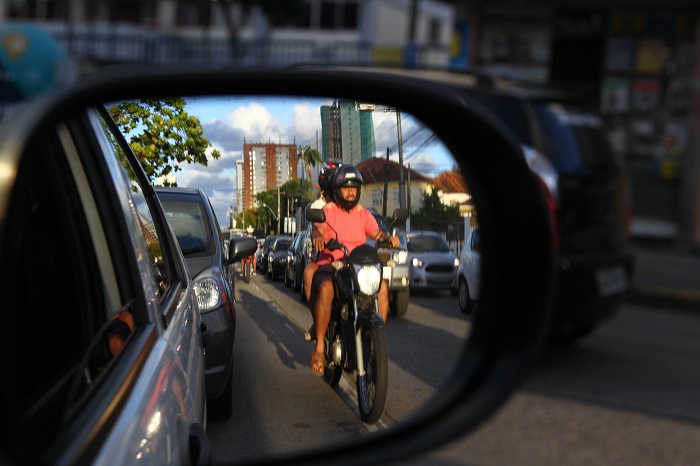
369, 277
208, 291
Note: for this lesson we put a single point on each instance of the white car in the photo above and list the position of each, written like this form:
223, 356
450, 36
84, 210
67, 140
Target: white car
433, 265
469, 274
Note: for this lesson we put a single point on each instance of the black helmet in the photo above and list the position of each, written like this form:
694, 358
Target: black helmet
346, 175
326, 174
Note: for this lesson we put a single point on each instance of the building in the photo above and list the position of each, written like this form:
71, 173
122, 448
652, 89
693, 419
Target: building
240, 188
266, 166
347, 132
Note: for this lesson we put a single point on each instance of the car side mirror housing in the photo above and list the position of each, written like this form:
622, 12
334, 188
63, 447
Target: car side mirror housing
505, 336
240, 247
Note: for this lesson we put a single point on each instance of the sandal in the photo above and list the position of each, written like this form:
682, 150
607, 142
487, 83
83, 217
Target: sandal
310, 334
318, 363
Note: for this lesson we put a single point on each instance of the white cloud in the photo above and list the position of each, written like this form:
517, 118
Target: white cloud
258, 124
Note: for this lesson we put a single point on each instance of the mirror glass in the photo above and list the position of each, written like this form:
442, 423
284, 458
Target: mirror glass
258, 160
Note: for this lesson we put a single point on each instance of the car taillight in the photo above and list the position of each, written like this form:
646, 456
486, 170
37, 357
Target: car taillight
553, 211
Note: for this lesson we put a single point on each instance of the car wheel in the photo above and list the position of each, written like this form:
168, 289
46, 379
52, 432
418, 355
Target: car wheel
399, 305
221, 408
465, 302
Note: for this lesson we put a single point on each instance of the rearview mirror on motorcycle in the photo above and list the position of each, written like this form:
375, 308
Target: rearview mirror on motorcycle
315, 215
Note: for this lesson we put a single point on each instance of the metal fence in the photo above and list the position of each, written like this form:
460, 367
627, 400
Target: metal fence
100, 48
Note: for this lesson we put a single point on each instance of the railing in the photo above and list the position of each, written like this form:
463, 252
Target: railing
99, 48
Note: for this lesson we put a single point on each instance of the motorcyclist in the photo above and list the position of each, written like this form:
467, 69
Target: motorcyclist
252, 258
324, 183
351, 224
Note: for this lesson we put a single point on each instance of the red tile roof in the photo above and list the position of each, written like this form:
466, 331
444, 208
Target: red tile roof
373, 171
451, 182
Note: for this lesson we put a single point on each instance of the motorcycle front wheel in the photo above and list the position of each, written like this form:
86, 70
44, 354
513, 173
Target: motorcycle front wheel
372, 387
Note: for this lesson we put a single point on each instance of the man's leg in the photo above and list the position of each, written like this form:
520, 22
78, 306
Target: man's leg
383, 300
308, 277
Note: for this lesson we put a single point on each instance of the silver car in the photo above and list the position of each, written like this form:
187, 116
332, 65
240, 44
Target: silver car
433, 265
102, 322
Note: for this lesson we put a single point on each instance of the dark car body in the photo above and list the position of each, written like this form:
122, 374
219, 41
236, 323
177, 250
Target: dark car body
299, 253
588, 201
265, 251
194, 223
277, 256
588, 194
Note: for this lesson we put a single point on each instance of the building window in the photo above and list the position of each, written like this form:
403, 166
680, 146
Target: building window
377, 198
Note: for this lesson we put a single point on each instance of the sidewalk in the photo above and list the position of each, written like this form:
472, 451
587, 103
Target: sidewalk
665, 275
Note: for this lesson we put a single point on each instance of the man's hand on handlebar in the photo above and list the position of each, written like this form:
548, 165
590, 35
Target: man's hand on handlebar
318, 242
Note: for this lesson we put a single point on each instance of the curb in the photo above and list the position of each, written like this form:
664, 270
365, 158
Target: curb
684, 300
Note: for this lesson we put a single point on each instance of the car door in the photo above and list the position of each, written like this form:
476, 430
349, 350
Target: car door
97, 310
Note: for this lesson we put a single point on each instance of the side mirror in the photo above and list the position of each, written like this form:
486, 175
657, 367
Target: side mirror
315, 215
400, 215
240, 247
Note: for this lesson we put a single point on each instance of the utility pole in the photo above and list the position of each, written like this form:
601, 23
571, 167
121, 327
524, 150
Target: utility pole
402, 187
386, 183
278, 209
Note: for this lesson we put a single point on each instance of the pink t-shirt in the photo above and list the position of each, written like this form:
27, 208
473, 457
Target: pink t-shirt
352, 229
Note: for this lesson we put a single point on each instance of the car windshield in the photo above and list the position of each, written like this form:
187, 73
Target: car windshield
427, 244
187, 220
572, 138
282, 245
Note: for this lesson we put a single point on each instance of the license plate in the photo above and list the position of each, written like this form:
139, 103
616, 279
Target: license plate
611, 281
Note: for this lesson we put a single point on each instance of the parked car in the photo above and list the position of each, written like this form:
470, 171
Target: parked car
277, 257
433, 264
194, 222
469, 272
105, 334
264, 253
299, 253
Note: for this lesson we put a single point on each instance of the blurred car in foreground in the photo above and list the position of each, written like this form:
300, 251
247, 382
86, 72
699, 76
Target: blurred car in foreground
583, 183
277, 257
112, 363
194, 222
469, 272
433, 264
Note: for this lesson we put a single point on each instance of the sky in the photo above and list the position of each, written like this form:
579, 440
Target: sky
228, 120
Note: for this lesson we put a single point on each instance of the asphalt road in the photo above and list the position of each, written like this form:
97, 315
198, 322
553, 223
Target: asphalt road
626, 395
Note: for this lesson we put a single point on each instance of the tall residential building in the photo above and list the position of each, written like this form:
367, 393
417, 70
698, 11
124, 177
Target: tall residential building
347, 133
240, 187
266, 166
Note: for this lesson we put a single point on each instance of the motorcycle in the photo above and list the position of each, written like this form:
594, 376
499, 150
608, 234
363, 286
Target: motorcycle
355, 340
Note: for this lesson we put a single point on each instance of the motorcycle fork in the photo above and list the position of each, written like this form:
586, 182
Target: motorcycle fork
359, 348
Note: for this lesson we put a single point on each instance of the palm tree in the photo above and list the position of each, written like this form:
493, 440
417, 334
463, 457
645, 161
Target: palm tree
309, 158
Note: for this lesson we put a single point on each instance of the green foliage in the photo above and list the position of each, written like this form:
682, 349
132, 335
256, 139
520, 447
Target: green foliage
435, 214
290, 198
162, 134
309, 158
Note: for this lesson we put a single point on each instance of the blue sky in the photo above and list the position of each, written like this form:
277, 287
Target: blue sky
228, 120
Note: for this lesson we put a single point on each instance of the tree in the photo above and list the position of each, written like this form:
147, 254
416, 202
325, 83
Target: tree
309, 158
434, 215
162, 135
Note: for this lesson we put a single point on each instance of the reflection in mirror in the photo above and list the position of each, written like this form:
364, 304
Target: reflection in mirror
259, 159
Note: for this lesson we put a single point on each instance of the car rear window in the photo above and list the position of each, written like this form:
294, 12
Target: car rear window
188, 221
572, 137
